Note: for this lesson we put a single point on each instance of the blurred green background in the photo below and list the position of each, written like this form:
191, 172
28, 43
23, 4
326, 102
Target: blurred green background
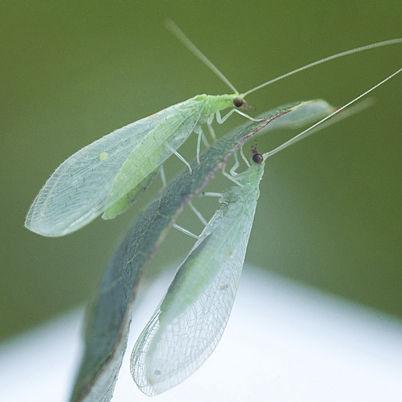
330, 210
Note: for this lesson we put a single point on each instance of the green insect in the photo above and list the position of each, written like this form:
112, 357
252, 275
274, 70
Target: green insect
191, 318
104, 177
190, 321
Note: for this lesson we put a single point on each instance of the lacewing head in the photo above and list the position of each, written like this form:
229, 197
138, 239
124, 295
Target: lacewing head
256, 156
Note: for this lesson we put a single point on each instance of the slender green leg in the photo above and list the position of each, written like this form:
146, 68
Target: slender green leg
200, 134
210, 127
232, 171
185, 231
246, 115
173, 151
221, 120
211, 194
244, 157
205, 140
231, 178
198, 214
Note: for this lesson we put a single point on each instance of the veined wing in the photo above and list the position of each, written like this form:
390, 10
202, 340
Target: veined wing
152, 152
77, 191
190, 321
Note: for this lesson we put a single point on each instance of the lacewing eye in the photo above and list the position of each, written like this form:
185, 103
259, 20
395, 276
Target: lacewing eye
238, 102
257, 157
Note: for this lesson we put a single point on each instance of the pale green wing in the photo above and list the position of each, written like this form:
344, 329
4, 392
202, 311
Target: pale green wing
79, 190
190, 321
125, 202
151, 153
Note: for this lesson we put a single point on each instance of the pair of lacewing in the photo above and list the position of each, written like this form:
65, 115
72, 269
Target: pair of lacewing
103, 178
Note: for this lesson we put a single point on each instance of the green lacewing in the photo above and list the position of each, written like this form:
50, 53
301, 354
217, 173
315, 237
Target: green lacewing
190, 321
104, 177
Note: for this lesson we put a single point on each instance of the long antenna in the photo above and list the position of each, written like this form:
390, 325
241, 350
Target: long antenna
181, 36
325, 59
309, 130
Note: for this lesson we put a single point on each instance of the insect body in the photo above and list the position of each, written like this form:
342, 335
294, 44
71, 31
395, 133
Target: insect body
105, 176
190, 321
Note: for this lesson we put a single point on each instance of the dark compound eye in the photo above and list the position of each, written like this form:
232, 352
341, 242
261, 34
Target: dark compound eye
238, 102
258, 158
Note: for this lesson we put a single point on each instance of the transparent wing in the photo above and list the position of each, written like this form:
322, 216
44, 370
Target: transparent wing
77, 192
190, 321
153, 150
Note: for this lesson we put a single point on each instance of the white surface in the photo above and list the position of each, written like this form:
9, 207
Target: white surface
283, 343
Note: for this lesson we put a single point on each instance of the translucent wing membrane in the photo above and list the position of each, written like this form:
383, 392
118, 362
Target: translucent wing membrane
190, 321
153, 150
80, 188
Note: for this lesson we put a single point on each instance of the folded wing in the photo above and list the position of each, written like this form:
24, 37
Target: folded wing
190, 321
79, 189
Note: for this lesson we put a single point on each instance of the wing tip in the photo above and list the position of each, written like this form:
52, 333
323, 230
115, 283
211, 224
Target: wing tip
37, 221
44, 231
39, 227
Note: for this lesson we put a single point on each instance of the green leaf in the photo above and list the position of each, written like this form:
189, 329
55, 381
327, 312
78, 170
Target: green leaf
109, 317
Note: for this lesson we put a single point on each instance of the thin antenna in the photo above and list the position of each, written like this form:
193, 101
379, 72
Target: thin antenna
308, 131
325, 59
181, 36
